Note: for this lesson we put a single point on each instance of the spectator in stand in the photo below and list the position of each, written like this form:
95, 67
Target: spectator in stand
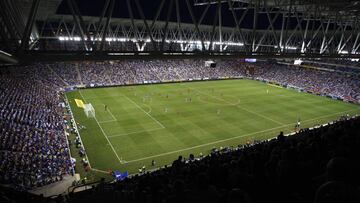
33, 148
318, 165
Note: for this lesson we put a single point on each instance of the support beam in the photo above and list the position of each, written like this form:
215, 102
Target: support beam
305, 36
135, 29
146, 24
271, 21
238, 26
77, 23
81, 20
355, 47
178, 19
220, 27
7, 58
110, 11
29, 25
195, 23
324, 37
166, 25
157, 14
103, 12
254, 25
214, 26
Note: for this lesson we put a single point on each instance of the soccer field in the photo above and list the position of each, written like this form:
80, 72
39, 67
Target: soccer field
162, 121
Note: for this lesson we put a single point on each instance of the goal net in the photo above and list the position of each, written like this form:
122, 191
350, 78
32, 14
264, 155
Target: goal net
89, 110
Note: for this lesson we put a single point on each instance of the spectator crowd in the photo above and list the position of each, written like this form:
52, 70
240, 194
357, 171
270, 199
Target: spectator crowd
319, 165
33, 143
335, 84
33, 148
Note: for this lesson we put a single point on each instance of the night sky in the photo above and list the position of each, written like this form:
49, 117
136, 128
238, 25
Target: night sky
150, 7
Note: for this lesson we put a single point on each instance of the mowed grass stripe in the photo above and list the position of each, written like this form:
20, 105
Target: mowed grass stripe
129, 118
238, 106
224, 140
102, 130
196, 123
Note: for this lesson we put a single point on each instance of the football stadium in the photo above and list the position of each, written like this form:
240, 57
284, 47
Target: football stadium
179, 100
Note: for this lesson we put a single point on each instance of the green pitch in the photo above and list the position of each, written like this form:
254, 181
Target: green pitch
160, 122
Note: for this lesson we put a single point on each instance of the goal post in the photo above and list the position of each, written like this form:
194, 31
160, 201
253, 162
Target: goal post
89, 110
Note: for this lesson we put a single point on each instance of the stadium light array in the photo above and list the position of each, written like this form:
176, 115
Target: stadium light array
122, 39
287, 47
343, 52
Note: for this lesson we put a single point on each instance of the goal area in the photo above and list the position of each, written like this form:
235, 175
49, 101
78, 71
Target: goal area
89, 110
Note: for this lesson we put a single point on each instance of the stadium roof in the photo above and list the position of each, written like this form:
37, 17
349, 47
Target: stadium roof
299, 28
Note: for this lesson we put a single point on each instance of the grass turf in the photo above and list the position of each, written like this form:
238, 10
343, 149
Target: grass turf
159, 122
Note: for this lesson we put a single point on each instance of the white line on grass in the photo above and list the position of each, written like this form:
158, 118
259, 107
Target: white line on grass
107, 110
111, 114
158, 122
150, 109
102, 130
206, 144
141, 131
77, 129
232, 138
101, 171
268, 118
108, 121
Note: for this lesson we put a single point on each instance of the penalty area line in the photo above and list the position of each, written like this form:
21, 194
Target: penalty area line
154, 119
103, 132
112, 115
108, 111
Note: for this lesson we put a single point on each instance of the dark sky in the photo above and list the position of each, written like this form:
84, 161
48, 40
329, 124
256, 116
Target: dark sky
94, 8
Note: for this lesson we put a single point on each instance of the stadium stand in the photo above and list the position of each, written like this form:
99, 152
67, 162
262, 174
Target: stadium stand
34, 151
33, 148
347, 67
301, 168
334, 84
288, 68
338, 85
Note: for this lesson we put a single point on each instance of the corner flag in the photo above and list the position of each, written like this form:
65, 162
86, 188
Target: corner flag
79, 103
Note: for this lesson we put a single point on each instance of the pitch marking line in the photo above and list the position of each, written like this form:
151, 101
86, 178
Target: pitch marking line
158, 122
232, 138
101, 171
108, 111
102, 130
108, 121
149, 107
77, 130
136, 132
239, 107
112, 115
